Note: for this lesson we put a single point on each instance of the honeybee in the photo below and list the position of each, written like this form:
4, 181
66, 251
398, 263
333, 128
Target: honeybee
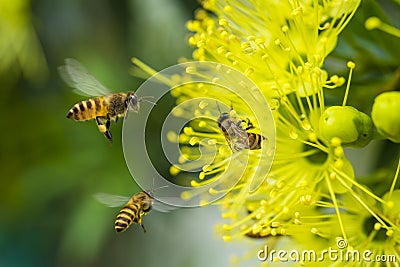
135, 207
104, 106
238, 137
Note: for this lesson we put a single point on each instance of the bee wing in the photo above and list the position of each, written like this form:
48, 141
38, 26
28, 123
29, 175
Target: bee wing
111, 200
162, 207
238, 137
76, 76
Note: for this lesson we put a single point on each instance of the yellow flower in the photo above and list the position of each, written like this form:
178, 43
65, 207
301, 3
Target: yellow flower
281, 47
373, 224
310, 195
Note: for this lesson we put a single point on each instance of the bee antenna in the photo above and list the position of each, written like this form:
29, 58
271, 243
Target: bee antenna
218, 107
151, 102
143, 98
160, 187
147, 96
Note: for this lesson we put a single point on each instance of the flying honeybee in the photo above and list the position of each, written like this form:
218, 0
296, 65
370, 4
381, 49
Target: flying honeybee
238, 137
135, 207
104, 106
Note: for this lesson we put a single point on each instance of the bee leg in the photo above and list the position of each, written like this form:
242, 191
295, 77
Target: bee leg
104, 127
107, 133
249, 124
144, 230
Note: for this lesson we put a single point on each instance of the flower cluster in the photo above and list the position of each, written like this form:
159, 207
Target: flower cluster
311, 193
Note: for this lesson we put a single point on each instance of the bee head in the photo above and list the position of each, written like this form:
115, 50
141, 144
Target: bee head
150, 193
224, 116
132, 102
148, 201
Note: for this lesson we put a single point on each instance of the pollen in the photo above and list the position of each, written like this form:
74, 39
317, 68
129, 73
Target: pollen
212, 142
293, 134
335, 141
182, 159
202, 124
372, 23
203, 104
275, 224
351, 65
186, 195
226, 215
188, 131
338, 164
227, 227
228, 9
223, 22
190, 70
389, 233
194, 140
172, 137
338, 151
227, 238
307, 200
174, 170
212, 191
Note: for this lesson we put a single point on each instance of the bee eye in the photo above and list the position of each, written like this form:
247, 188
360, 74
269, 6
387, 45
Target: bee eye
146, 207
133, 101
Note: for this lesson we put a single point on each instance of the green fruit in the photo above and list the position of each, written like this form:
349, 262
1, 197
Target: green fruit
354, 128
386, 115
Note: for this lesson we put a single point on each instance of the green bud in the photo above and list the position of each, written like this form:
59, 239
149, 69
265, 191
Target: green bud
354, 128
365, 130
386, 115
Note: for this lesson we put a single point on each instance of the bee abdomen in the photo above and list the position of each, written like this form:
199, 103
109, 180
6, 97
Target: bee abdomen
125, 218
254, 141
86, 110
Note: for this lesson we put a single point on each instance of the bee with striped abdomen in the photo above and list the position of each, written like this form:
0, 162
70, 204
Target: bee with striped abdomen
135, 207
238, 137
104, 106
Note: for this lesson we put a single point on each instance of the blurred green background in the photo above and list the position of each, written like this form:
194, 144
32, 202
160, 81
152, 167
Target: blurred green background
51, 166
